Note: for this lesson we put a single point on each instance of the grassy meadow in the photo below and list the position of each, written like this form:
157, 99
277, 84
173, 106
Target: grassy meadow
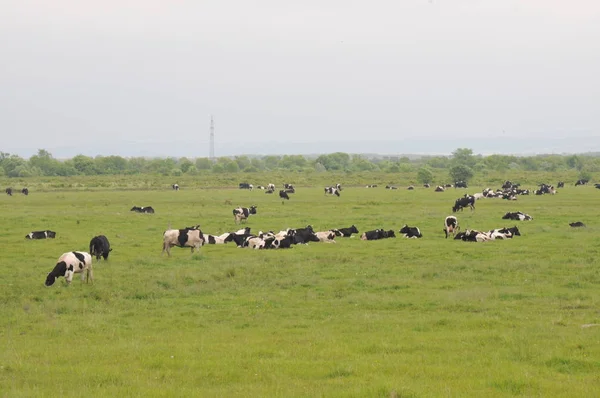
396, 317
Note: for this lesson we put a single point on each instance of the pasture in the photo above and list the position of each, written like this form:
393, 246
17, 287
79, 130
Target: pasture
403, 317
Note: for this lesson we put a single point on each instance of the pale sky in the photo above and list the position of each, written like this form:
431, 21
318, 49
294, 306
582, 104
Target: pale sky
141, 78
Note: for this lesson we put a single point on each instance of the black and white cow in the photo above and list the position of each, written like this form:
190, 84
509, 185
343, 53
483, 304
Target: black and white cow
100, 247
8, 191
282, 243
175, 187
390, 187
371, 186
451, 226
597, 185
426, 185
439, 188
508, 232
518, 216
283, 195
577, 224
242, 213
332, 191
147, 209
41, 235
561, 184
411, 232
327, 236
471, 235
461, 203
244, 185
347, 232
581, 182
303, 235
377, 234
288, 186
218, 240
460, 184
271, 187
71, 263
25, 191
191, 237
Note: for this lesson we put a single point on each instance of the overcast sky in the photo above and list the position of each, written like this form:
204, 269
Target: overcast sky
141, 78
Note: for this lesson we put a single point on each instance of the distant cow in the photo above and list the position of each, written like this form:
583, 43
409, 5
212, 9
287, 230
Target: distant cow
410, 232
597, 185
147, 209
347, 232
288, 186
577, 224
191, 237
581, 182
518, 216
451, 226
410, 187
283, 195
242, 213
471, 235
371, 186
332, 191
71, 263
461, 203
25, 191
8, 191
390, 187
561, 184
426, 185
41, 235
439, 188
271, 187
100, 247
175, 187
377, 234
460, 184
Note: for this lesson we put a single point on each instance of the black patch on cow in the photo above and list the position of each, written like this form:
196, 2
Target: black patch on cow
211, 239
182, 238
79, 256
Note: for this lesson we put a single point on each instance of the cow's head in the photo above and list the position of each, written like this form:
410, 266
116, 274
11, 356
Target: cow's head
60, 269
405, 229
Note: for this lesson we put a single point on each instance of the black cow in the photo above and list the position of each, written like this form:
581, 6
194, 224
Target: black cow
282, 243
41, 235
461, 203
410, 187
451, 226
577, 224
373, 235
597, 185
100, 247
303, 235
25, 191
460, 184
561, 184
581, 182
147, 209
242, 213
244, 185
510, 232
518, 216
410, 232
8, 191
347, 232
332, 191
283, 195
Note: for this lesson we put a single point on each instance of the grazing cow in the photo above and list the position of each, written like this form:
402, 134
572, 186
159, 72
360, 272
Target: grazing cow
347, 232
451, 226
25, 191
581, 182
147, 209
242, 213
561, 184
41, 235
461, 203
410, 187
8, 191
283, 195
577, 224
332, 191
72, 263
460, 184
518, 216
411, 232
439, 188
100, 247
175, 187
338, 187
187, 237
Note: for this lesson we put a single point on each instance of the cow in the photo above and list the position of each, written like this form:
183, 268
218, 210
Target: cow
283, 195
597, 185
561, 184
451, 226
410, 187
41, 235
390, 187
518, 216
244, 185
509, 232
410, 232
147, 209
271, 187
377, 234
282, 243
100, 247
581, 182
303, 235
577, 224
338, 187
439, 188
8, 191
218, 240
268, 191
371, 186
460, 184
471, 235
463, 202
288, 186
72, 263
426, 185
175, 187
332, 191
326, 236
347, 232
25, 191
242, 213
191, 237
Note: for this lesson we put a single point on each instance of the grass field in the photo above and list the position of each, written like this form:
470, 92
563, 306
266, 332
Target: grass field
405, 317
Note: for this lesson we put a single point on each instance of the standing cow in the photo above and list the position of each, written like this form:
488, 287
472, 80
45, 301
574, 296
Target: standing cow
8, 191
100, 247
191, 237
451, 226
72, 263
242, 213
283, 195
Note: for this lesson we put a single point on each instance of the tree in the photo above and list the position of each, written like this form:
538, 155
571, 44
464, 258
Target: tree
461, 173
424, 175
463, 156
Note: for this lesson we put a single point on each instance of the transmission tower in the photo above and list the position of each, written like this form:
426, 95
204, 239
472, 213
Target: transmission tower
211, 154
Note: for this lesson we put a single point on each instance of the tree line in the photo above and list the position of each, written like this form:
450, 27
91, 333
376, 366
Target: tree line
462, 164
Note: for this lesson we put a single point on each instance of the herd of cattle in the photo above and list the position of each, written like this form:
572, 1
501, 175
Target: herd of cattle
71, 263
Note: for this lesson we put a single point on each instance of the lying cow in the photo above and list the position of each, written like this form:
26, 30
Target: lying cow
517, 216
147, 209
191, 237
72, 263
347, 232
41, 235
377, 234
577, 224
471, 235
411, 232
100, 247
327, 236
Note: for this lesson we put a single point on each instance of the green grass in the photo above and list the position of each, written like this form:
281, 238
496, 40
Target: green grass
414, 318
